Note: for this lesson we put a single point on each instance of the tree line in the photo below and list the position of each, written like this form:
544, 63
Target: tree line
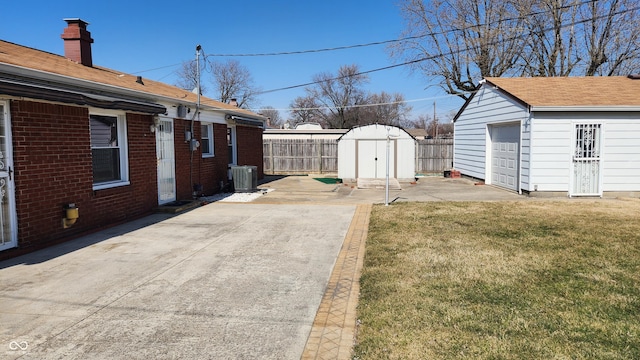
460, 42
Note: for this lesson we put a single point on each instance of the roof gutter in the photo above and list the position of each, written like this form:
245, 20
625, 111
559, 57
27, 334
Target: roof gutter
19, 90
243, 120
616, 108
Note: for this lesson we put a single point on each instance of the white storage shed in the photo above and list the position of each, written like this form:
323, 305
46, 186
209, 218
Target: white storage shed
575, 136
362, 153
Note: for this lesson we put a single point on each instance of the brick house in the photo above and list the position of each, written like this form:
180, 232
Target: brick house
112, 145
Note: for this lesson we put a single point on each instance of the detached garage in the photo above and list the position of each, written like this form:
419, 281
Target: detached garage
575, 136
362, 153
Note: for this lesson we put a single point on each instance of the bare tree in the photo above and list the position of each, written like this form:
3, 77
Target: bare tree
551, 48
421, 122
460, 41
611, 37
339, 96
232, 80
187, 77
385, 108
273, 116
305, 109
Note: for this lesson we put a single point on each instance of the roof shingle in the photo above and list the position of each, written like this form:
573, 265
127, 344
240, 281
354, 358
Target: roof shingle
25, 57
572, 91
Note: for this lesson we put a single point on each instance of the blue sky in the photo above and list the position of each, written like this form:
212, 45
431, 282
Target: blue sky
138, 36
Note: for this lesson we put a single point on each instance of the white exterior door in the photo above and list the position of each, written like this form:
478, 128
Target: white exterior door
372, 159
166, 162
8, 219
586, 160
232, 152
505, 149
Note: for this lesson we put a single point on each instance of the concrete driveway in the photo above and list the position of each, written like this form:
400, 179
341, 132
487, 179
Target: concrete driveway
224, 281
305, 189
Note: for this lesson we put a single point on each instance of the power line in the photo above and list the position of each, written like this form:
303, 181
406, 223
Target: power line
366, 105
411, 62
346, 47
415, 37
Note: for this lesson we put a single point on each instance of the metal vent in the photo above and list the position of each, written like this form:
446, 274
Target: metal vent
245, 178
182, 111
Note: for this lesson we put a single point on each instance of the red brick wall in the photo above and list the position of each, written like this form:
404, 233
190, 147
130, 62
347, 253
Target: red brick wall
196, 170
213, 170
249, 141
184, 175
52, 161
53, 167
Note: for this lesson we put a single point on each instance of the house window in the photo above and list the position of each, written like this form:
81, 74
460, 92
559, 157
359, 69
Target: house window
206, 140
108, 151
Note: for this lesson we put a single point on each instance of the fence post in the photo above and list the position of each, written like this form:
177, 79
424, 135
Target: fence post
273, 164
320, 154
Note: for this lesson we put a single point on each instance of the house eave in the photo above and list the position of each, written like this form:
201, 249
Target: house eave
91, 88
27, 91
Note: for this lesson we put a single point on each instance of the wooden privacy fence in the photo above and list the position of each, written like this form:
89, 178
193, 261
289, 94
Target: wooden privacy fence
300, 156
434, 155
320, 156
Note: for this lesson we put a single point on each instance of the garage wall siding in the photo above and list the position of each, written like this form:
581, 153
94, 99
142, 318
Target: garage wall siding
621, 154
470, 129
553, 140
551, 152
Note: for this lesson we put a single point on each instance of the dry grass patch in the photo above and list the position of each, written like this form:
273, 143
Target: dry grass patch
502, 280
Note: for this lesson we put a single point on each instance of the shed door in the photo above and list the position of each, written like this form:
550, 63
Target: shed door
505, 148
166, 162
372, 159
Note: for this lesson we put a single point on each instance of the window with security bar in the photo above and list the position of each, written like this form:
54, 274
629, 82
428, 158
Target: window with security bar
587, 141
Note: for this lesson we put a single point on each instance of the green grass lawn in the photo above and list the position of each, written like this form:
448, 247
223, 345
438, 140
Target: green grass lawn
502, 280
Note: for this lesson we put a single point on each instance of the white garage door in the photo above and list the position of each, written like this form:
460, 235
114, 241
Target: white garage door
372, 159
505, 148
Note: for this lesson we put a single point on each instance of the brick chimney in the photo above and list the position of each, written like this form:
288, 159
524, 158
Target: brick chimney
77, 42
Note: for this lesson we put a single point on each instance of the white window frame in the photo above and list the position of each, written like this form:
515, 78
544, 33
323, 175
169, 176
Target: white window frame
208, 139
123, 147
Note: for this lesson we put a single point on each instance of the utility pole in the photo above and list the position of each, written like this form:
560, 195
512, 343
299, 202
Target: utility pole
435, 121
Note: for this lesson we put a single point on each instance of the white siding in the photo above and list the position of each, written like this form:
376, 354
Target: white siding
347, 158
551, 150
621, 153
488, 106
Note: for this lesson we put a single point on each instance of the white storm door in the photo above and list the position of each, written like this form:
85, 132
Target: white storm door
166, 162
586, 160
8, 219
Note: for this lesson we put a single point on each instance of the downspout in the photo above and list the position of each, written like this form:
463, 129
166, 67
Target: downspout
527, 124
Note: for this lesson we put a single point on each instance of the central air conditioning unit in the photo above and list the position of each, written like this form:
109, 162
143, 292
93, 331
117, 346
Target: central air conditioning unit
245, 178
